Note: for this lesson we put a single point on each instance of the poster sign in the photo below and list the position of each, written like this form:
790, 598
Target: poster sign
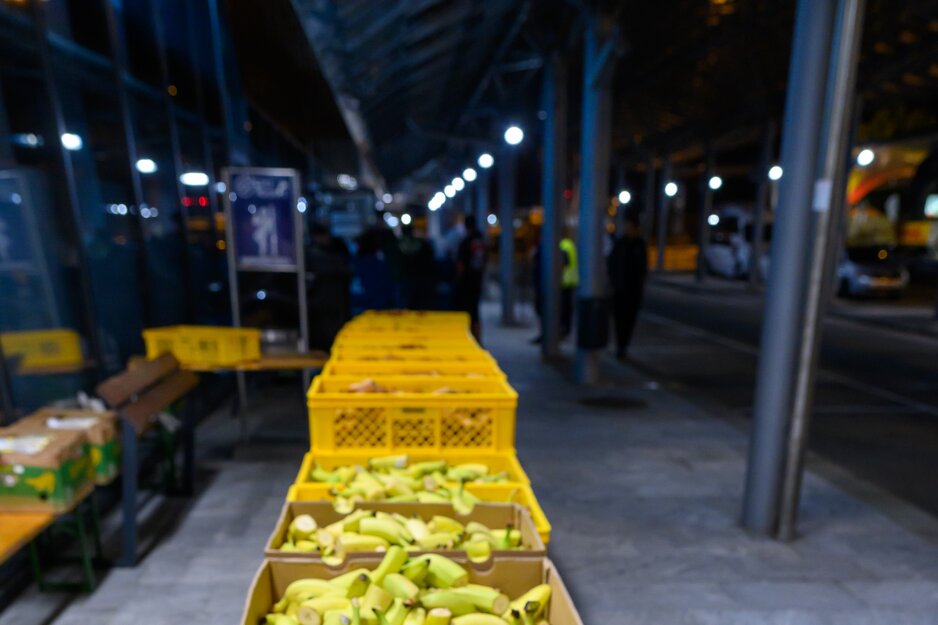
264, 224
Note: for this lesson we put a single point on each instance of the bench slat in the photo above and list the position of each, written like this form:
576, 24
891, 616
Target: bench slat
118, 389
142, 412
18, 529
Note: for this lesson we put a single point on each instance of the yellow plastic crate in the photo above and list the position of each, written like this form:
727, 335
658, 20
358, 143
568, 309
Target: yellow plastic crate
517, 490
478, 416
428, 368
204, 346
37, 349
427, 317
402, 351
415, 334
410, 342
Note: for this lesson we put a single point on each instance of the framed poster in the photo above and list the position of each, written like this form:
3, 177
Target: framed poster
264, 227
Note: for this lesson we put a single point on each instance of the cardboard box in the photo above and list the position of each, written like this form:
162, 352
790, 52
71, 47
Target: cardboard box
101, 428
493, 515
43, 470
514, 576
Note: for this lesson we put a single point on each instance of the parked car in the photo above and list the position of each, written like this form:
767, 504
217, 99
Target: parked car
870, 270
728, 252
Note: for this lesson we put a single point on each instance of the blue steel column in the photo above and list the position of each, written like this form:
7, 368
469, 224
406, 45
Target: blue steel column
791, 249
664, 204
594, 197
828, 206
555, 159
507, 171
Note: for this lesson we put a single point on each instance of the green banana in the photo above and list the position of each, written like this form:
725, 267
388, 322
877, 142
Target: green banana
350, 541
417, 616
478, 619
400, 587
438, 616
448, 599
301, 527
444, 573
310, 612
416, 570
478, 551
417, 528
388, 462
484, 598
388, 529
540, 595
393, 560
376, 597
441, 523
439, 540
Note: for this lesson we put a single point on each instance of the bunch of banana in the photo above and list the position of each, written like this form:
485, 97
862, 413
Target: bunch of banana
369, 530
391, 478
426, 590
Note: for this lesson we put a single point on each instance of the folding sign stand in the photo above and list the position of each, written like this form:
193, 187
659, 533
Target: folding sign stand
264, 232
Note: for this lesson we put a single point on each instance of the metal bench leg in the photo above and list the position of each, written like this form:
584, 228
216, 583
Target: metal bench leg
189, 418
129, 478
96, 528
86, 564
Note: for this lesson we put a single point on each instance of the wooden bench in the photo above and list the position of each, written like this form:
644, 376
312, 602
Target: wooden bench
21, 529
139, 395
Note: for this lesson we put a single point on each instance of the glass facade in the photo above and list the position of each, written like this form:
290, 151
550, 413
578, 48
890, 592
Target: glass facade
98, 238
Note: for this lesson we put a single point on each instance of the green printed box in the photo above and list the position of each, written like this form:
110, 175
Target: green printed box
43, 470
101, 428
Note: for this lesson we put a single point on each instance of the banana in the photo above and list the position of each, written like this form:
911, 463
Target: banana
439, 540
507, 538
417, 528
388, 529
310, 612
419, 469
318, 474
307, 546
401, 587
441, 523
474, 527
358, 587
431, 497
376, 597
448, 599
444, 573
351, 522
397, 613
484, 598
388, 462
540, 595
478, 619
306, 588
438, 616
301, 527
280, 619
416, 570
478, 551
351, 581
392, 562
360, 542
417, 616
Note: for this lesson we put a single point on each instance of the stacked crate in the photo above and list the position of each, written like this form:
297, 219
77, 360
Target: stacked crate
415, 385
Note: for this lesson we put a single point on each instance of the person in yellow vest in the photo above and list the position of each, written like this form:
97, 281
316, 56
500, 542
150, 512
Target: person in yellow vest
569, 280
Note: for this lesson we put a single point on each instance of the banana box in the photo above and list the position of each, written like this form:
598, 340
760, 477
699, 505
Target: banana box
512, 576
101, 428
495, 516
43, 470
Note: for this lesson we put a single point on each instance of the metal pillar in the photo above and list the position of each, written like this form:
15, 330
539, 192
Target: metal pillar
829, 189
592, 318
664, 203
555, 159
763, 185
89, 313
116, 35
176, 146
703, 229
507, 172
648, 208
781, 327
236, 153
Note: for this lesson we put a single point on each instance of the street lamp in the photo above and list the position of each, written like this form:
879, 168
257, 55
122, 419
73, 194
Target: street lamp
514, 135
486, 160
469, 174
624, 197
715, 182
670, 189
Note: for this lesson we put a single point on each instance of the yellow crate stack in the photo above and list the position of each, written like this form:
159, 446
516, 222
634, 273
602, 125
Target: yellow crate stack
434, 394
204, 346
